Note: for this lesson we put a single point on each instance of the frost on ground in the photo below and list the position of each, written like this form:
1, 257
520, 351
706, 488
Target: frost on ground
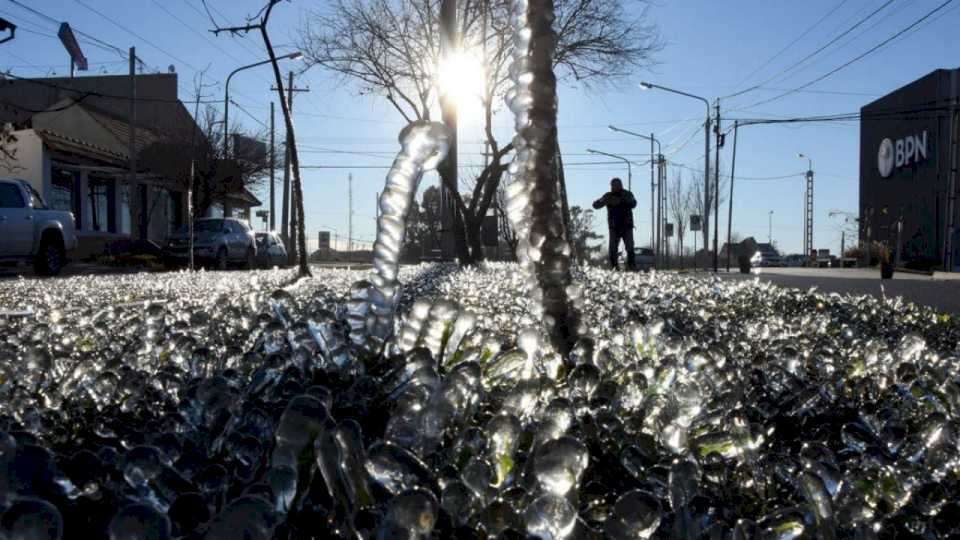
235, 405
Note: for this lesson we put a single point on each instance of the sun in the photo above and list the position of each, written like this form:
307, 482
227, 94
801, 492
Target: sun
462, 77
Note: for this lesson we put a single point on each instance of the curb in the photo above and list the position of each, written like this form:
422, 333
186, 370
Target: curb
946, 276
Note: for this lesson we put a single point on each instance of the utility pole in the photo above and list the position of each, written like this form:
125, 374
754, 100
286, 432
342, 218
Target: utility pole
285, 229
705, 218
733, 168
448, 168
664, 217
350, 213
134, 190
843, 242
716, 193
808, 214
950, 216
653, 205
273, 168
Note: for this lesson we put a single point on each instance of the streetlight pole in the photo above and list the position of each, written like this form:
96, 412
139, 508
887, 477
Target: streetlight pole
706, 157
654, 159
621, 158
226, 93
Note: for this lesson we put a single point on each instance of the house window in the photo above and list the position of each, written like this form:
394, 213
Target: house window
99, 198
124, 193
174, 211
61, 194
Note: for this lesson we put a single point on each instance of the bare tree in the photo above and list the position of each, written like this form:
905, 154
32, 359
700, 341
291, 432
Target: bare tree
698, 199
581, 232
391, 49
678, 208
8, 154
259, 22
215, 176
508, 236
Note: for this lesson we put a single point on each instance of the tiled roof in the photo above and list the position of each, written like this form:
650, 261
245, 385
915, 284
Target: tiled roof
74, 145
245, 197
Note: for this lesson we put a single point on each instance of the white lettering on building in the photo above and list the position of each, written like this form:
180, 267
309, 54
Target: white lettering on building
900, 153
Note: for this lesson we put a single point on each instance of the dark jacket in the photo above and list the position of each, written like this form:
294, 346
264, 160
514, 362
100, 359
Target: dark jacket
619, 209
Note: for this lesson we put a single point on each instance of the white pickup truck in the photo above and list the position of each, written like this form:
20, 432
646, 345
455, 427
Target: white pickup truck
30, 232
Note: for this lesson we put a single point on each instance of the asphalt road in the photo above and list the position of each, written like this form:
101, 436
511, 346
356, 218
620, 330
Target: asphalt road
943, 295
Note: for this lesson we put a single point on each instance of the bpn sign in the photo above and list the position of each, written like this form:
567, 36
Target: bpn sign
900, 153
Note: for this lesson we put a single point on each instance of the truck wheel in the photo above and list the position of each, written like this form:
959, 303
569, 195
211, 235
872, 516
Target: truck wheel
221, 261
49, 259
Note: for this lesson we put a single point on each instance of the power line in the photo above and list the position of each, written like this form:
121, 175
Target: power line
386, 167
95, 41
134, 34
727, 176
814, 53
245, 111
239, 43
854, 60
794, 42
87, 93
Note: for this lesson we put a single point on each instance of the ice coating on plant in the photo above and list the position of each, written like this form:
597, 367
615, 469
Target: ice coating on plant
690, 407
534, 204
423, 147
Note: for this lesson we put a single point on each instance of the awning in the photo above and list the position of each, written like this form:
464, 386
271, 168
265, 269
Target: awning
69, 145
243, 198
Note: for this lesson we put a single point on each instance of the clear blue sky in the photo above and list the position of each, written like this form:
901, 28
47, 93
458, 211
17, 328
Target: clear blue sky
711, 49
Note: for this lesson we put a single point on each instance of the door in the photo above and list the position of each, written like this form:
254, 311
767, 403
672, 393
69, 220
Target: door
278, 254
236, 239
16, 222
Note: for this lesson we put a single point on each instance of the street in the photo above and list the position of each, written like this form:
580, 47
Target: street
943, 295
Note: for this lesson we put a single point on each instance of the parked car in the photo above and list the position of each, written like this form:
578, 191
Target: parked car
216, 241
644, 258
766, 259
824, 259
270, 250
30, 232
793, 260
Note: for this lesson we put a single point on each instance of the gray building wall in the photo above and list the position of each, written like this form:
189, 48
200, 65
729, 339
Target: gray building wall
918, 190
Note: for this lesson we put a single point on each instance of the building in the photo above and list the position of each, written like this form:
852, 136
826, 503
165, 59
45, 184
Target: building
908, 171
73, 145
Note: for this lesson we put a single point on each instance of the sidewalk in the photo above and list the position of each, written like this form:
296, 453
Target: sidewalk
71, 269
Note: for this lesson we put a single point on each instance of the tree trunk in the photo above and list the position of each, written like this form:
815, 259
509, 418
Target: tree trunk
294, 157
460, 239
474, 230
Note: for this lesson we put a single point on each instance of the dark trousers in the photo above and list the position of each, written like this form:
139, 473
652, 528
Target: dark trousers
627, 236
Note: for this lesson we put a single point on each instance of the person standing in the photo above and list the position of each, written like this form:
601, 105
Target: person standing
620, 204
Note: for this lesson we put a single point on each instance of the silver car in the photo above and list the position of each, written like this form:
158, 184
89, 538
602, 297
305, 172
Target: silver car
216, 241
270, 250
644, 258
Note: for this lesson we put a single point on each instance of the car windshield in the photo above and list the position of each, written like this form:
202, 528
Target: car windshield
37, 200
204, 225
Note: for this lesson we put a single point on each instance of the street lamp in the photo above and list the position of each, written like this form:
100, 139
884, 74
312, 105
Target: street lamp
706, 156
621, 158
653, 205
226, 92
